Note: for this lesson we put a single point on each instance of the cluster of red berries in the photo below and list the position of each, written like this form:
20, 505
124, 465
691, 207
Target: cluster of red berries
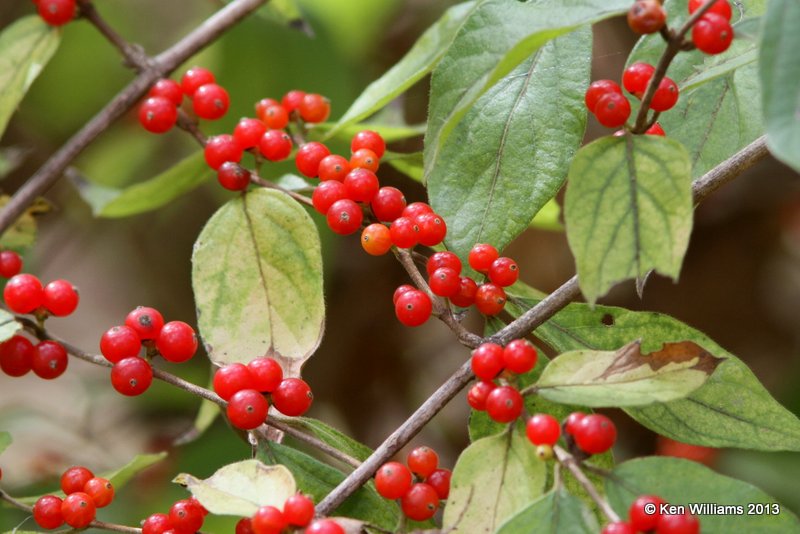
56, 12
24, 293
85, 493
10, 263
419, 498
246, 388
502, 403
185, 517
593, 433
131, 375
645, 515
298, 511
47, 359
711, 34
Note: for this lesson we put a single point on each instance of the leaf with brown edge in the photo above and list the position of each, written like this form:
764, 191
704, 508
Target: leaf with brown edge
626, 377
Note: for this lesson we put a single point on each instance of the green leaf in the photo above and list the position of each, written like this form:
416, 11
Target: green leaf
5, 441
628, 210
257, 278
494, 478
685, 483
124, 474
780, 80
418, 62
626, 377
732, 409
389, 132
25, 48
149, 195
408, 164
510, 154
329, 435
498, 36
318, 479
8, 325
557, 512
22, 234
241, 488
549, 217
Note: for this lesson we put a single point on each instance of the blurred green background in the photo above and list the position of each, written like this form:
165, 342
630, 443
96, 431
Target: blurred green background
740, 283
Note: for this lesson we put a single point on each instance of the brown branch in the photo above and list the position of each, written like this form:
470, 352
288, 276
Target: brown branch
569, 461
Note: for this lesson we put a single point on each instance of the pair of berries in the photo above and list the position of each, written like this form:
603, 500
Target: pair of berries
47, 359
10, 263
298, 511
593, 433
244, 386
641, 518
419, 500
604, 98
24, 294
132, 375
490, 359
56, 12
84, 492
502, 404
185, 516
712, 33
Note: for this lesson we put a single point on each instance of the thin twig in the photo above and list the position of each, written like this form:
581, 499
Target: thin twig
568, 461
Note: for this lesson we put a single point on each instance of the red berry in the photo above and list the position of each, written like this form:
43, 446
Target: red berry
247, 409
476, 396
504, 404
388, 204
543, 429
370, 140
244, 525
405, 288
361, 185
503, 272
646, 16
376, 239
344, 216
314, 108
158, 115
16, 356
275, 145
641, 520
262, 105
23, 293
636, 77
248, 132
169, 89
656, 129
326, 193
49, 360
490, 299
47, 512
210, 102
324, 526
487, 361
684, 523
232, 378
333, 167
60, 298
595, 433
665, 96
275, 117
292, 100
100, 490
420, 502
571, 422
712, 34
597, 90
186, 516
404, 232
222, 148
298, 510
432, 229
618, 527
157, 524
439, 480
720, 7
131, 376
177, 342
57, 12
422, 461
120, 342
415, 209
233, 176
443, 259
78, 510
10, 263
413, 308
482, 256
195, 78
445, 282
612, 110
267, 374
268, 520
292, 397
364, 158
392, 480
75, 478
147, 322
466, 292
519, 356
309, 156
